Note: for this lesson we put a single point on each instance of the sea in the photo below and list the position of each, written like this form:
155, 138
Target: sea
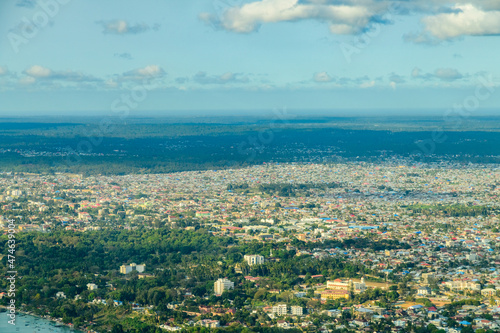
30, 324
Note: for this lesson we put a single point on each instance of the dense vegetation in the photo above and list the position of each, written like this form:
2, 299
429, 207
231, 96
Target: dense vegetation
181, 261
136, 147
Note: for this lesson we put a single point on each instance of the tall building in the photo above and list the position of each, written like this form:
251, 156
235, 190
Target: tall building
222, 285
254, 259
126, 269
297, 310
280, 309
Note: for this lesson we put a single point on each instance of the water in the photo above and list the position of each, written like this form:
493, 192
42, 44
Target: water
30, 324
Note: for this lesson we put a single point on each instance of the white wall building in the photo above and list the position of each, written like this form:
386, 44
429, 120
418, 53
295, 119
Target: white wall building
126, 269
280, 309
92, 286
297, 310
222, 285
254, 259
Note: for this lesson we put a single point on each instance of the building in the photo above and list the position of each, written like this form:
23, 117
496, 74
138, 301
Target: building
60, 294
338, 284
472, 257
92, 286
280, 309
333, 294
283, 324
209, 323
126, 269
297, 310
463, 285
424, 291
254, 259
222, 285
427, 277
488, 292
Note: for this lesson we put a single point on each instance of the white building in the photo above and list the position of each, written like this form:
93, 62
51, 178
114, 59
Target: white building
125, 269
280, 309
472, 257
424, 291
297, 310
60, 294
91, 286
254, 259
347, 285
222, 285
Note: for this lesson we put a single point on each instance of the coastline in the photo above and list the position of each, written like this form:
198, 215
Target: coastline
58, 322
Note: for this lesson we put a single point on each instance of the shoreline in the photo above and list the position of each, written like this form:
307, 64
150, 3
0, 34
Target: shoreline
48, 318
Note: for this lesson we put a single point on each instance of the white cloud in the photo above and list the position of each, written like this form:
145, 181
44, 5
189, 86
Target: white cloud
467, 20
3, 71
322, 77
367, 84
345, 18
447, 74
443, 74
148, 72
28, 80
37, 71
229, 77
40, 73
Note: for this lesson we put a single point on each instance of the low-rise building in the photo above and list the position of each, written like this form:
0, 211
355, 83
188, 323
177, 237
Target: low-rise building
254, 259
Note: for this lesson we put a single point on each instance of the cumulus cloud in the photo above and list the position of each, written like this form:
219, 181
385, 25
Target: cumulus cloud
369, 84
322, 77
122, 27
447, 74
38, 72
443, 74
3, 71
443, 19
139, 74
346, 17
468, 21
204, 78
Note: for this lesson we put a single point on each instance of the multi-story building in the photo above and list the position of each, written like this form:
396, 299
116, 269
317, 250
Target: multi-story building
126, 269
280, 309
222, 285
488, 292
92, 286
463, 285
254, 259
334, 294
347, 285
297, 310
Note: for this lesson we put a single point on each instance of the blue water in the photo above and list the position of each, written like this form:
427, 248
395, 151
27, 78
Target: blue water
30, 324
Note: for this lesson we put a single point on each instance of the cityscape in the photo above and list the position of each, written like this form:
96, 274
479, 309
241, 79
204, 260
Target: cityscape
249, 166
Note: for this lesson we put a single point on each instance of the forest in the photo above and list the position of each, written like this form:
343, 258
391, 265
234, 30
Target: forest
147, 146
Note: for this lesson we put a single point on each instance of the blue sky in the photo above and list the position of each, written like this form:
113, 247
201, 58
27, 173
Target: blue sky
74, 56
